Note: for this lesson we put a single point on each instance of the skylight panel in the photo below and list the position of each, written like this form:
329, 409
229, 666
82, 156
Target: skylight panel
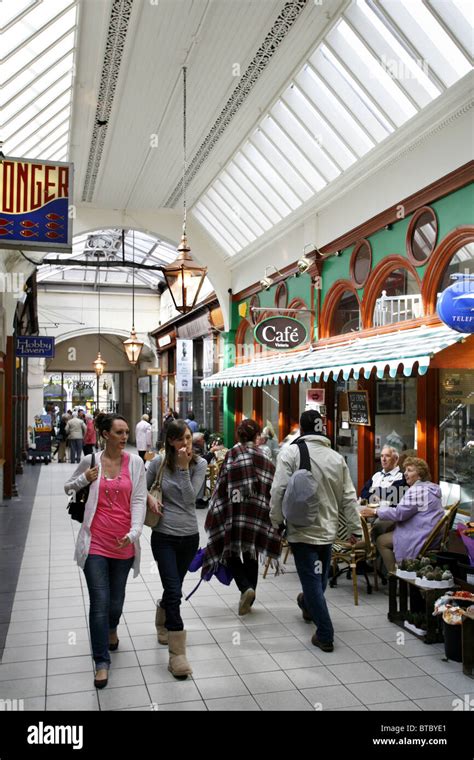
34, 89
23, 78
34, 35
250, 194
227, 243
239, 210
32, 118
319, 128
28, 146
371, 73
459, 18
228, 221
395, 59
324, 100
276, 157
435, 46
303, 151
242, 167
247, 203
275, 179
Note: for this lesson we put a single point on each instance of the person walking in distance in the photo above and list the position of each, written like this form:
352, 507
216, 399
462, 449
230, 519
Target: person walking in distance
175, 540
90, 437
143, 436
311, 545
75, 431
108, 544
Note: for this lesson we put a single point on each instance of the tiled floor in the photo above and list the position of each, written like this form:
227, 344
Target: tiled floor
263, 661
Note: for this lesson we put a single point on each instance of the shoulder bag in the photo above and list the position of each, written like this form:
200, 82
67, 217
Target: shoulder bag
77, 503
152, 518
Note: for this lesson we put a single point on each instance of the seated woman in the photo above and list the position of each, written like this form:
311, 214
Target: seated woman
415, 516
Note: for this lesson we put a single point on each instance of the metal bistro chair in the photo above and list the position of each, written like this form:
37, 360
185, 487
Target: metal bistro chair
284, 545
441, 530
351, 555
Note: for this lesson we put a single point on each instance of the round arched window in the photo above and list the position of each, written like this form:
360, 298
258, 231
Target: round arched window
254, 315
399, 300
421, 235
361, 263
461, 263
281, 296
346, 315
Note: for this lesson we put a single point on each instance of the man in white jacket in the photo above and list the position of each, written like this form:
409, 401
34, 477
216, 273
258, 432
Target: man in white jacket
143, 436
311, 545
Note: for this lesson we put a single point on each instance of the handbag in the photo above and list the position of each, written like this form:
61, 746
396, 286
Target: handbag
77, 504
152, 518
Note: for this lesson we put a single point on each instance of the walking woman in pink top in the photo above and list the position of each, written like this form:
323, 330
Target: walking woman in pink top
108, 544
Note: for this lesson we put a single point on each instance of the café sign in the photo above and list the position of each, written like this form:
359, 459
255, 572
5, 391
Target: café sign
280, 333
35, 198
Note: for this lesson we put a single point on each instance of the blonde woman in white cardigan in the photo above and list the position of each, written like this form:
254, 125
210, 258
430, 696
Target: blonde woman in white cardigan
108, 544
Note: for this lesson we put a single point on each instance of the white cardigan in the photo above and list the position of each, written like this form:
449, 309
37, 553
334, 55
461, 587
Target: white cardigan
138, 505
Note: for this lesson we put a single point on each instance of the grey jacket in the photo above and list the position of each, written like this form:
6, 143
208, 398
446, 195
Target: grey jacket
336, 492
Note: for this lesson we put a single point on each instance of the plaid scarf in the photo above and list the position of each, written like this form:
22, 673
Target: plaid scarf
238, 518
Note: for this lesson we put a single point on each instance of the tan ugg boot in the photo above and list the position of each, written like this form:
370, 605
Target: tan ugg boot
178, 664
161, 631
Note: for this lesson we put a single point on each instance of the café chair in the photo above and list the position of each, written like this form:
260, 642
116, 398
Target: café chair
440, 531
351, 555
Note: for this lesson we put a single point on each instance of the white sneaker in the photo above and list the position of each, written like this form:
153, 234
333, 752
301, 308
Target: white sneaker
246, 601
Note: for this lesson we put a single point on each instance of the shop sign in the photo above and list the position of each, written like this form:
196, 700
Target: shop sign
280, 333
184, 365
164, 341
35, 197
456, 304
315, 397
29, 346
358, 402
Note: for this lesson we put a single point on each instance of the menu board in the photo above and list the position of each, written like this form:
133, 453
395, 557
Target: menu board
358, 402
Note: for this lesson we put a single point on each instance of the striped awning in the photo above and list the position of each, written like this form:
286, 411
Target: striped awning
358, 356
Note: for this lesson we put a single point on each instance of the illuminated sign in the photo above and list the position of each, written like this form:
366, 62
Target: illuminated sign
35, 197
456, 304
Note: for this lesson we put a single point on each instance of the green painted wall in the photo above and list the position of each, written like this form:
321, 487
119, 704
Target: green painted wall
452, 211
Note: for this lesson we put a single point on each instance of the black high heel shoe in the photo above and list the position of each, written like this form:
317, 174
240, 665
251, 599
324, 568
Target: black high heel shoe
101, 683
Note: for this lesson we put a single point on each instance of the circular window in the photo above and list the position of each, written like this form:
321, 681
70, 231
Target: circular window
281, 296
346, 315
254, 315
421, 235
361, 263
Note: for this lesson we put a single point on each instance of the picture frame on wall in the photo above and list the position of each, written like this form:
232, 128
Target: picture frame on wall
390, 398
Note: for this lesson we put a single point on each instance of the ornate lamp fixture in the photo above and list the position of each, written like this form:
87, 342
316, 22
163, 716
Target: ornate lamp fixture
184, 276
99, 363
133, 346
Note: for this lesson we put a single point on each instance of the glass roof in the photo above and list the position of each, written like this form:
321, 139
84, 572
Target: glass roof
106, 246
381, 63
37, 60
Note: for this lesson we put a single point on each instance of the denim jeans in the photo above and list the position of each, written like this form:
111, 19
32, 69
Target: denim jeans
106, 580
245, 571
314, 579
173, 555
75, 447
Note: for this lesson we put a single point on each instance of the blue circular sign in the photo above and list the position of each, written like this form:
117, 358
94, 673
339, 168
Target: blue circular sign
456, 304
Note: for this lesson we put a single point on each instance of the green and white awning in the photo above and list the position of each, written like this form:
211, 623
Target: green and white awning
359, 355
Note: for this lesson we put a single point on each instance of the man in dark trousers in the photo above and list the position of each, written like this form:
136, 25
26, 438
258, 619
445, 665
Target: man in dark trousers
311, 545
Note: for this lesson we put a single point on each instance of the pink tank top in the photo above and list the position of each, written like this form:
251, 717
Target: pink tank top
113, 516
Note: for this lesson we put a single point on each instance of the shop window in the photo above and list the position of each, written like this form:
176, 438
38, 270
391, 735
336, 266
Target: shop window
346, 316
395, 413
361, 263
271, 406
400, 299
461, 263
281, 296
346, 434
456, 436
421, 236
254, 315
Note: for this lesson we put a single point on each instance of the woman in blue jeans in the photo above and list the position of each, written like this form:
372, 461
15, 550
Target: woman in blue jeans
108, 542
175, 539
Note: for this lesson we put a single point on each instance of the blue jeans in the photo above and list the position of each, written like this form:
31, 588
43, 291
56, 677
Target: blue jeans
314, 579
106, 580
173, 555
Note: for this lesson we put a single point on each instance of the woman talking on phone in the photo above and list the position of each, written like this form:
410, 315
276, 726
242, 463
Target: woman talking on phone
175, 540
108, 544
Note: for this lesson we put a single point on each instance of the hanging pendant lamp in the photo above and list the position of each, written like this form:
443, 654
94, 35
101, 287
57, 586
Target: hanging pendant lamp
99, 363
133, 346
184, 276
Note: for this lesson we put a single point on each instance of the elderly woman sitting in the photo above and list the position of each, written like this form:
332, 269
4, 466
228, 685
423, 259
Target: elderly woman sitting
415, 516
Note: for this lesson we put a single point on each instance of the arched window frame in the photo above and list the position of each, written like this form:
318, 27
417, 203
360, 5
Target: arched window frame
375, 282
333, 296
438, 262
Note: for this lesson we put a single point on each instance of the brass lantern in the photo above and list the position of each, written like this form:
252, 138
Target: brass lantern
99, 365
133, 347
184, 278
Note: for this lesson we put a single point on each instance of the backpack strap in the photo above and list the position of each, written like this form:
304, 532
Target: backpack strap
305, 462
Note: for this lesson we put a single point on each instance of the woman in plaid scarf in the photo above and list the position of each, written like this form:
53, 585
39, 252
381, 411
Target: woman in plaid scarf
238, 521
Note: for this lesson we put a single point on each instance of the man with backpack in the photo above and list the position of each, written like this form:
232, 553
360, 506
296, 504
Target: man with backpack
311, 489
